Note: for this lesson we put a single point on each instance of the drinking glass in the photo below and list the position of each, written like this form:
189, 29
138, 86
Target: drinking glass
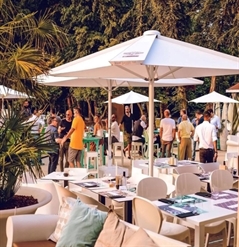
215, 193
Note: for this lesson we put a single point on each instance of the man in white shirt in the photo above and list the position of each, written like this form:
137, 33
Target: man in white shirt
35, 121
215, 120
167, 133
115, 133
115, 130
205, 133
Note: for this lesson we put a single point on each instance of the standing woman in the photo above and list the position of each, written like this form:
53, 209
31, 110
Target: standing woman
98, 131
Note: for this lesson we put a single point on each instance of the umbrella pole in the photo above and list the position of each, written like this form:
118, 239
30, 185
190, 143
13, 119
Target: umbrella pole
151, 120
109, 120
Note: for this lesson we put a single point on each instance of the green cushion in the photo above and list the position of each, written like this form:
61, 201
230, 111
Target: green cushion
83, 227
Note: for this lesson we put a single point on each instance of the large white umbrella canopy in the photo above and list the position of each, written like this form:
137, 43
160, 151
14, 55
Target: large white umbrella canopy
131, 98
151, 56
171, 59
8, 93
104, 82
214, 97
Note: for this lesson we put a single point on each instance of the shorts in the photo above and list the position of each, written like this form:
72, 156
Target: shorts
129, 137
74, 154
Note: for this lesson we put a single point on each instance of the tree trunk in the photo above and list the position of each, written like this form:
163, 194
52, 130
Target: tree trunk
141, 18
212, 88
103, 114
90, 114
141, 109
183, 98
68, 100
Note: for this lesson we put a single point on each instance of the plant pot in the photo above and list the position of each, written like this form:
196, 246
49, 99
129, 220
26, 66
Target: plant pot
43, 198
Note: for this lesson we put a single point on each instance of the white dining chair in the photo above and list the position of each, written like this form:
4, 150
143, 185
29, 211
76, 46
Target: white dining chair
209, 167
90, 201
187, 169
153, 220
223, 180
188, 183
151, 188
63, 192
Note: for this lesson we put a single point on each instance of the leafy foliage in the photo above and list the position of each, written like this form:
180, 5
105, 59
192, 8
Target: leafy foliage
92, 25
19, 150
25, 40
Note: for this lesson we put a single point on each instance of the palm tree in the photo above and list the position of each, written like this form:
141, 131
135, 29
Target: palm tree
28, 43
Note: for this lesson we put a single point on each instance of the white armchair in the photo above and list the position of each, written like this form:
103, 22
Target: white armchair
24, 229
28, 228
233, 144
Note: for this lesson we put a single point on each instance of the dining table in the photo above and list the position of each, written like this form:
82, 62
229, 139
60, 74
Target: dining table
209, 209
105, 188
163, 166
60, 176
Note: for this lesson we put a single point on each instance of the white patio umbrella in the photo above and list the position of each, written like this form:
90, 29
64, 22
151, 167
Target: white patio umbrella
151, 57
233, 89
8, 93
120, 82
131, 98
214, 97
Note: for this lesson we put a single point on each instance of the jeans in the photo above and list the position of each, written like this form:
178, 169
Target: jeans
64, 153
53, 162
206, 155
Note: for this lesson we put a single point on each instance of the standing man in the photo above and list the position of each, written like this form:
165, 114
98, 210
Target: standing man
76, 135
205, 134
182, 112
26, 109
198, 120
185, 132
138, 129
63, 129
51, 132
167, 133
53, 114
128, 120
215, 120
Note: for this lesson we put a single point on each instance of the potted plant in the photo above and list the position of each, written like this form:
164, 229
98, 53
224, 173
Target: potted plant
19, 152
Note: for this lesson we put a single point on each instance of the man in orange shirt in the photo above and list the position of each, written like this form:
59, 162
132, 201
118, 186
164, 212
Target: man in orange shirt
76, 135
